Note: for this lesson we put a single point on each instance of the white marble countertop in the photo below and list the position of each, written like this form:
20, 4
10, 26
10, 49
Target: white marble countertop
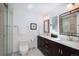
68, 43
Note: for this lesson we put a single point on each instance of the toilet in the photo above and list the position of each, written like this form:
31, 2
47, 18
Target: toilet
23, 48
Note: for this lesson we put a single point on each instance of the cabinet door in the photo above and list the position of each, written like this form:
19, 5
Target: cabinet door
54, 51
40, 43
53, 48
74, 52
65, 51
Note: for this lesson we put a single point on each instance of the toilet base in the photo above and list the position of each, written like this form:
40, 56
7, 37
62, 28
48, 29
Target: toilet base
25, 53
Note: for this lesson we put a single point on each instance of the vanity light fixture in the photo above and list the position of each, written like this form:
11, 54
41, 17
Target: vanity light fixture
46, 17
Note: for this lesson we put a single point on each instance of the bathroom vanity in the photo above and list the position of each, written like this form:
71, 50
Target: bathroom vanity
50, 46
68, 26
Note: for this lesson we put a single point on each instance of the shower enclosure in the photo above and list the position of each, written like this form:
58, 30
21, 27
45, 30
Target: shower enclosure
6, 30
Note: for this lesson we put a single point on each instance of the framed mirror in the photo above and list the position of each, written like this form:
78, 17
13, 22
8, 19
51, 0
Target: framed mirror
46, 26
69, 23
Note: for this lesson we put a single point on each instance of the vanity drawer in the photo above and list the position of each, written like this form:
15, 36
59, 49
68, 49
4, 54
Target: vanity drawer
50, 43
47, 46
46, 41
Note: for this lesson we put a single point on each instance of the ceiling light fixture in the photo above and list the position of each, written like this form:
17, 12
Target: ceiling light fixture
72, 6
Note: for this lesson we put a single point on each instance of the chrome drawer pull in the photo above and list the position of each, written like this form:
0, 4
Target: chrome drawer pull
59, 51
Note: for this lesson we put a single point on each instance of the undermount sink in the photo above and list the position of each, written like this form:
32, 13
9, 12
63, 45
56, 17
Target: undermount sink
73, 40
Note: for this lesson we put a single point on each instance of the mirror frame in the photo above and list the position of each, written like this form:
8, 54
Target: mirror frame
65, 14
48, 28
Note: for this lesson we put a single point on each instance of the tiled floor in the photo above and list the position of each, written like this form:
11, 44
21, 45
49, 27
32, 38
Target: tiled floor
35, 52
32, 52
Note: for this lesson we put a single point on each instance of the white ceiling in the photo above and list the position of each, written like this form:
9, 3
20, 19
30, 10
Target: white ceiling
38, 9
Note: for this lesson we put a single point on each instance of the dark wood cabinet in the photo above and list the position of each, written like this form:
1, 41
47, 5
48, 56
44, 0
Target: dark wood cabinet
51, 48
48, 47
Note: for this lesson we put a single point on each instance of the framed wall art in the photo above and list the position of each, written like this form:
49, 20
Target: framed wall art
33, 26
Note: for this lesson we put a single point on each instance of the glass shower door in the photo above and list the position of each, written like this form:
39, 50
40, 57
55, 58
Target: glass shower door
7, 31
10, 33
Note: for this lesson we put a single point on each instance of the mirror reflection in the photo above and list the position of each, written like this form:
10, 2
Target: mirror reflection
69, 23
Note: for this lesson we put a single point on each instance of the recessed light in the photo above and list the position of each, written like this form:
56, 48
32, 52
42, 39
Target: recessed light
30, 6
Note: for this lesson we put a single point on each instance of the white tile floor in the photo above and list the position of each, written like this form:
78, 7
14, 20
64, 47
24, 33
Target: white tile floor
32, 52
35, 52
